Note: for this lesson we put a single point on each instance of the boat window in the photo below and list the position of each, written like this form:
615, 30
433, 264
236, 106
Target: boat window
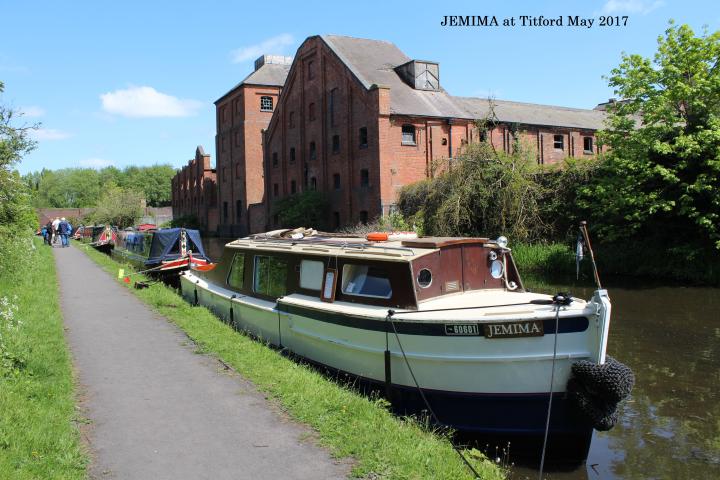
311, 274
424, 278
270, 276
237, 271
366, 281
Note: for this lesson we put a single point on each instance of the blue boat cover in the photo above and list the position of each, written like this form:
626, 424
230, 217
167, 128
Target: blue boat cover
165, 244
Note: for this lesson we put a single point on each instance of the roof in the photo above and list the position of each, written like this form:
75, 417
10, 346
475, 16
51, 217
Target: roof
270, 75
373, 62
333, 244
535, 114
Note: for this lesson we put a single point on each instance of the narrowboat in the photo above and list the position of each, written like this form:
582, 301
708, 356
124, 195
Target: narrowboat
163, 251
440, 324
102, 237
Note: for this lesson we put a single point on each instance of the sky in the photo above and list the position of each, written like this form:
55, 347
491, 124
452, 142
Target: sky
133, 83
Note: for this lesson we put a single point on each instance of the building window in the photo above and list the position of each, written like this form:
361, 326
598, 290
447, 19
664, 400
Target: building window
238, 209
364, 178
292, 155
291, 119
364, 217
408, 135
559, 142
444, 141
293, 187
336, 181
275, 159
238, 170
238, 139
276, 190
225, 211
336, 219
266, 104
313, 151
363, 137
311, 112
588, 145
336, 144
333, 94
313, 183
224, 174
311, 70
270, 276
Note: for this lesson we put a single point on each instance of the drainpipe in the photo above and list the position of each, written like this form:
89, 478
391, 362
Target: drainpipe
450, 150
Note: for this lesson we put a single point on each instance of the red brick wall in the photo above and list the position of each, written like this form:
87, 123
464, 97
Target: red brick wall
239, 144
194, 191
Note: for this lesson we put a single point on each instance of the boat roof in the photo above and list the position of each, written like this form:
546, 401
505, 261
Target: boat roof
348, 245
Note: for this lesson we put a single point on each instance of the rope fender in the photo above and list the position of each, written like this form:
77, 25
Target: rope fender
596, 390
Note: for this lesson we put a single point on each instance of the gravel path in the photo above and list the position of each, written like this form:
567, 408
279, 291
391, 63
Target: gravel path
161, 411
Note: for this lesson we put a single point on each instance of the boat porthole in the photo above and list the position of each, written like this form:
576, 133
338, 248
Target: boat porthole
496, 269
424, 278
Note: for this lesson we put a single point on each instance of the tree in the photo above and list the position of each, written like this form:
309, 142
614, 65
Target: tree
481, 193
119, 207
16, 213
661, 177
306, 209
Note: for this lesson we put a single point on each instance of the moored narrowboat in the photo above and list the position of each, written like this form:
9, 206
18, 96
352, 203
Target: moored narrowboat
439, 324
163, 251
102, 237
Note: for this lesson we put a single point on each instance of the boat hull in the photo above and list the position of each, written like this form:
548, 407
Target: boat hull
473, 384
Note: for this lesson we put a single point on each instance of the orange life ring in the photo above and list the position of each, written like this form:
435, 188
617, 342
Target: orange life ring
377, 236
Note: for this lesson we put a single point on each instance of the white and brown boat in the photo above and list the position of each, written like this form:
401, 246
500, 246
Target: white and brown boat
452, 310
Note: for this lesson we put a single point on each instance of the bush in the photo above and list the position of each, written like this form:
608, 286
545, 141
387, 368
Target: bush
306, 209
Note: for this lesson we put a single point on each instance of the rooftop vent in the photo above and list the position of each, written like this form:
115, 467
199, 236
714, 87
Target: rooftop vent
420, 74
272, 60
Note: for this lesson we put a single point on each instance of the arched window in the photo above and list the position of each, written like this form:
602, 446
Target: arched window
408, 134
266, 104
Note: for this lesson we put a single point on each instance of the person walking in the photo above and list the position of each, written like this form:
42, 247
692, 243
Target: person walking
55, 234
64, 230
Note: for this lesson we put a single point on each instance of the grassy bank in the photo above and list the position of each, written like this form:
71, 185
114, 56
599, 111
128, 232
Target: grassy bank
633, 259
38, 434
348, 424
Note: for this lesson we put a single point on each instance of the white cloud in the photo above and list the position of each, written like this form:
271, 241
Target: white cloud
271, 45
147, 102
95, 163
32, 111
49, 134
631, 6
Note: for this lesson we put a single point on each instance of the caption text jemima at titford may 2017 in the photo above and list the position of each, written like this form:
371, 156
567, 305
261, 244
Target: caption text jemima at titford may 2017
573, 21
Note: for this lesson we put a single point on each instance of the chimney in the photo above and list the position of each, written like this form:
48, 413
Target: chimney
272, 60
420, 74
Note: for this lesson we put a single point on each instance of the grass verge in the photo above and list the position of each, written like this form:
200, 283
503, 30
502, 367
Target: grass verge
348, 424
38, 433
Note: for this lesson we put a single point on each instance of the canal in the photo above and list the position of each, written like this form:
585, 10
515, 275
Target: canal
670, 337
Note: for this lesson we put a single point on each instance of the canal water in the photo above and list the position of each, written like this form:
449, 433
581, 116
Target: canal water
670, 336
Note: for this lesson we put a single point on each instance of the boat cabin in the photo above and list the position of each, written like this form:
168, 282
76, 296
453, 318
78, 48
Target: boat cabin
394, 274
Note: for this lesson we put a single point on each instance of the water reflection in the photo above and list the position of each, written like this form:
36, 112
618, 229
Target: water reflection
670, 426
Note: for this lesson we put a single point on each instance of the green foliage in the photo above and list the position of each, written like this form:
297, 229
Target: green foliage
118, 206
82, 187
661, 178
481, 193
186, 221
17, 217
309, 209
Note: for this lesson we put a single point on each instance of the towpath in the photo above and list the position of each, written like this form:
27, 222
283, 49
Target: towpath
160, 411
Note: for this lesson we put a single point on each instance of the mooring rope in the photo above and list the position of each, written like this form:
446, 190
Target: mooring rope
559, 300
422, 395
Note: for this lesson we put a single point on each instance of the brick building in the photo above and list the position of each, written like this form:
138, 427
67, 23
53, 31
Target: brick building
358, 120
242, 114
194, 191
